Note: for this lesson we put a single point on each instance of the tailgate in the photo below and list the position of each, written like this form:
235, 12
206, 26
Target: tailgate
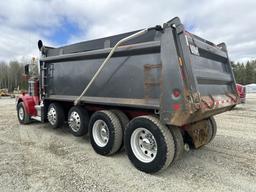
201, 70
213, 78
209, 83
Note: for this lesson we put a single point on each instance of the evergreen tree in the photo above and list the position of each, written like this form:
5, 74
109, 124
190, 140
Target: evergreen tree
245, 73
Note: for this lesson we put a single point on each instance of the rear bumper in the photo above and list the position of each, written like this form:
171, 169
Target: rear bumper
181, 118
209, 106
209, 103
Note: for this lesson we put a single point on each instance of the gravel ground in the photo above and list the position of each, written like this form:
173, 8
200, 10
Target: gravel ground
37, 158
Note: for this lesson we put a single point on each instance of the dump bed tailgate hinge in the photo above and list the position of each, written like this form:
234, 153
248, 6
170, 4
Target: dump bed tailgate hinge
195, 101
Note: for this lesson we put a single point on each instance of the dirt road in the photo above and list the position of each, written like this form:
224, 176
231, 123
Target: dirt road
37, 158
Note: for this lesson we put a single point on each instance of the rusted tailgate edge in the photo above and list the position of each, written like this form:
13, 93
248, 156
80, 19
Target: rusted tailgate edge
209, 106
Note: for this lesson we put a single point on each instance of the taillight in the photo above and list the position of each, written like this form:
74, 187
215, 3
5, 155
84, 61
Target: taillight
176, 94
176, 106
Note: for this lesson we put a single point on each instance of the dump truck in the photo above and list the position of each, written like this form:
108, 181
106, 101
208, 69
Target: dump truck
152, 92
241, 90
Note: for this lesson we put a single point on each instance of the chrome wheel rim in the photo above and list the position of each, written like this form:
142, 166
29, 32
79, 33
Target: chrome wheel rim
74, 121
21, 113
143, 144
100, 133
52, 116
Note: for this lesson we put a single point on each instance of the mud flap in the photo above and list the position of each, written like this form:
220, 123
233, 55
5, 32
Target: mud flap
199, 133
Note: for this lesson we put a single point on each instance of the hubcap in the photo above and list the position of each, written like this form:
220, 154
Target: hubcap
100, 133
21, 113
52, 116
74, 121
143, 145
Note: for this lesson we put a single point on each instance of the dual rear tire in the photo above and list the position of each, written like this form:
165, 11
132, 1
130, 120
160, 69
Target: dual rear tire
106, 132
150, 145
78, 118
105, 127
212, 127
78, 121
55, 115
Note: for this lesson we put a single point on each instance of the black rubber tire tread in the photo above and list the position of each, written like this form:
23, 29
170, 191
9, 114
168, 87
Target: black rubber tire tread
124, 122
59, 113
178, 141
164, 139
26, 119
210, 132
115, 132
213, 127
84, 116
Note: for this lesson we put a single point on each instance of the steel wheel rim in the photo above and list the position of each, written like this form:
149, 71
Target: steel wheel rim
74, 121
52, 116
21, 113
144, 145
100, 133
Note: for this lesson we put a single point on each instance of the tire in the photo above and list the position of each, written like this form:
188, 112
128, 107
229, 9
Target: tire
23, 119
78, 121
163, 152
106, 134
55, 115
213, 128
178, 141
124, 122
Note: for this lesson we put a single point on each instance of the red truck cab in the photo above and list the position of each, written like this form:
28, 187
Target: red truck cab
241, 91
27, 102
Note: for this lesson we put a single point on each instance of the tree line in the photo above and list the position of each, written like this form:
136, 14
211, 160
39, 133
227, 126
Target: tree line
245, 73
12, 74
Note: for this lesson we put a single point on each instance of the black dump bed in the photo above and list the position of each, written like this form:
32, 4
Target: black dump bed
183, 77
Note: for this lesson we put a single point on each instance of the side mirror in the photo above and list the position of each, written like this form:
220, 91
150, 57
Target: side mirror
26, 69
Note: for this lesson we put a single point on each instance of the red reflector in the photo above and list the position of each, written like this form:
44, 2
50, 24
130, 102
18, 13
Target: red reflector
176, 93
176, 106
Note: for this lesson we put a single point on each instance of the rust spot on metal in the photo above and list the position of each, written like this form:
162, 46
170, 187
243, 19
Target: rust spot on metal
151, 66
179, 117
180, 61
152, 79
208, 101
199, 133
184, 117
233, 97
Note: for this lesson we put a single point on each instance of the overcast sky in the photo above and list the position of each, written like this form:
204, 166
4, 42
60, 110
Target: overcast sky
59, 22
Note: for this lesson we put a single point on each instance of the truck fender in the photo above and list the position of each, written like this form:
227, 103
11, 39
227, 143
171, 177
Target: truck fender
29, 104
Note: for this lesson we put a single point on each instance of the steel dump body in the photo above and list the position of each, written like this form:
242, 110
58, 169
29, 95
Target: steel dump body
145, 73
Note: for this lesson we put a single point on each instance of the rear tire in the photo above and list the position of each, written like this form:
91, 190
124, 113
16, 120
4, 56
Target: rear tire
22, 114
179, 143
124, 122
149, 144
213, 127
78, 121
106, 134
55, 115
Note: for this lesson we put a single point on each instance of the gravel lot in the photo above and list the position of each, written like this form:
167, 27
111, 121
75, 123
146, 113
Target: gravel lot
37, 158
